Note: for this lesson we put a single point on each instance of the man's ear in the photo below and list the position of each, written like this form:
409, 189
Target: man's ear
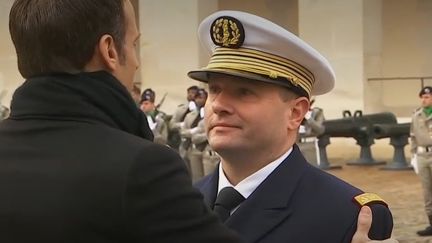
300, 106
108, 51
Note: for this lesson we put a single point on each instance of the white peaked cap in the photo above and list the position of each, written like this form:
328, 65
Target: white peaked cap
251, 47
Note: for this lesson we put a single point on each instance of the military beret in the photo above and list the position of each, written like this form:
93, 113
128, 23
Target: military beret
251, 47
202, 93
148, 94
425, 90
193, 88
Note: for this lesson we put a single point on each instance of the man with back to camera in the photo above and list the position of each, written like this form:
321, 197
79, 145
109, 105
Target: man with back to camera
77, 163
421, 148
260, 78
136, 94
76, 160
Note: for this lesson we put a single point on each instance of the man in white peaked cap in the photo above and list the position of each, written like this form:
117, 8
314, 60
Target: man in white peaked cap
260, 79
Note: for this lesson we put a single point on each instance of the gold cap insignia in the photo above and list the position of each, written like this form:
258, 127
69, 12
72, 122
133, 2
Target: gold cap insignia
369, 198
227, 32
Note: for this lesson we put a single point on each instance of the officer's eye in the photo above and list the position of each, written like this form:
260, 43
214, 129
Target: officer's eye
245, 92
213, 89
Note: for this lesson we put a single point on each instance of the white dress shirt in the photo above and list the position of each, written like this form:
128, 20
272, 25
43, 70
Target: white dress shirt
151, 123
248, 185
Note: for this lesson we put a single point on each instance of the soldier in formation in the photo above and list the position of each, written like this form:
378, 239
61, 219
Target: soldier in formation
155, 118
178, 117
421, 150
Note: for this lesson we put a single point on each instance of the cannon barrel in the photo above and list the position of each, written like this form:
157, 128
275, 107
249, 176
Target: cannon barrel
335, 129
389, 130
377, 118
357, 125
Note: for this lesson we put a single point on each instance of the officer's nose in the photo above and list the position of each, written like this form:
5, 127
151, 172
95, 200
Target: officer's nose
221, 103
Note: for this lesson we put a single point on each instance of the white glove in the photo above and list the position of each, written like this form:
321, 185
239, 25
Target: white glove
414, 163
194, 130
302, 129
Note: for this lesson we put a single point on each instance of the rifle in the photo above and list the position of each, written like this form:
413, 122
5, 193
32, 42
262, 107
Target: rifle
161, 101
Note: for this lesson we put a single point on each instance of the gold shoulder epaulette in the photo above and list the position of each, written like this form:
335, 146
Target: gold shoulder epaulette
369, 198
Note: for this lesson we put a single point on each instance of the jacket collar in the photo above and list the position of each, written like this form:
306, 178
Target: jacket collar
95, 97
269, 204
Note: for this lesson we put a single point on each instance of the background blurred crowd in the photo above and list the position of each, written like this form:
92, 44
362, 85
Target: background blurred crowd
183, 130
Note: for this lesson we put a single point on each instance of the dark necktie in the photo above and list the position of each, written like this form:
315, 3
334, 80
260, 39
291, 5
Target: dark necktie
227, 199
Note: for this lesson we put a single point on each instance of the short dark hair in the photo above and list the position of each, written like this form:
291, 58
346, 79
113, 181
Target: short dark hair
287, 94
201, 92
61, 35
193, 88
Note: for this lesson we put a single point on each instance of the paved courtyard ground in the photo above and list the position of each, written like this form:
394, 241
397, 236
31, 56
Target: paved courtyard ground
401, 189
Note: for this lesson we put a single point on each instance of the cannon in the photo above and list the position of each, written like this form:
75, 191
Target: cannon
360, 127
389, 130
398, 134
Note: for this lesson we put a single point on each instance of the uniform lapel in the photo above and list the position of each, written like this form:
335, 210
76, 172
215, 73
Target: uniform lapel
269, 204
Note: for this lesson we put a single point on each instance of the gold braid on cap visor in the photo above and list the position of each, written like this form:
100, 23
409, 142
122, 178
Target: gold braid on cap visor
258, 62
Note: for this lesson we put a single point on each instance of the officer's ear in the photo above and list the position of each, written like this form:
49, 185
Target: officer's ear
298, 108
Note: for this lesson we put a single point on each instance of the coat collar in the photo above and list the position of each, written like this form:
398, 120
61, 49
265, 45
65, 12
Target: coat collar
95, 97
269, 204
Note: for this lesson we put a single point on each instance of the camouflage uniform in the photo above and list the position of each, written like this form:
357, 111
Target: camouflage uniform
160, 127
314, 125
421, 145
157, 120
210, 159
310, 129
199, 142
175, 125
190, 122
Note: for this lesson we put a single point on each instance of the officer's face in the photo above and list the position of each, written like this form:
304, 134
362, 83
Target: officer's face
426, 100
245, 116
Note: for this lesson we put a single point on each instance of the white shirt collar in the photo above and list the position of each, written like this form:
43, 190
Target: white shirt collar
250, 183
151, 123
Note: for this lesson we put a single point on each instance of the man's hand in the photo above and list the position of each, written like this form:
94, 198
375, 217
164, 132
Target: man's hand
364, 223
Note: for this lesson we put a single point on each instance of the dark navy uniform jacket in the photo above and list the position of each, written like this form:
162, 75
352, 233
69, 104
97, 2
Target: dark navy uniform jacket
298, 203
